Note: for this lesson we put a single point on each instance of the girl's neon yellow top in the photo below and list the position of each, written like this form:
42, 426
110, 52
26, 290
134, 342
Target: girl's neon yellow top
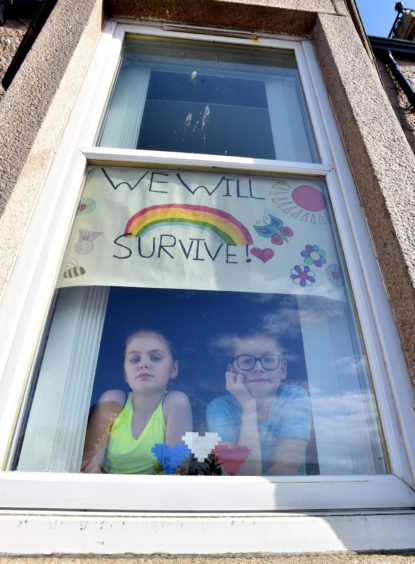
127, 455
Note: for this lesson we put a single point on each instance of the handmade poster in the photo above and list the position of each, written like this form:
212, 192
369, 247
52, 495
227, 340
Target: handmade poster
198, 230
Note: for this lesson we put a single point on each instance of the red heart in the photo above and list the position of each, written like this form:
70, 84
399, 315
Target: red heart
262, 254
231, 458
82, 207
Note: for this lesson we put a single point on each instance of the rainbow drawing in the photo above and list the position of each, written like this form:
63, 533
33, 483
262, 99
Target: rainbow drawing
223, 224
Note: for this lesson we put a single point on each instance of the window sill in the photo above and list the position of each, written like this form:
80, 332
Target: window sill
54, 491
202, 533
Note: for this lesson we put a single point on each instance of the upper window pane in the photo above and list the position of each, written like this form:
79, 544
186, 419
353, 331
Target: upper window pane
207, 99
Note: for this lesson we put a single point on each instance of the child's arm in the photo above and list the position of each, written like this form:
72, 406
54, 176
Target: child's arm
288, 456
108, 408
294, 433
178, 417
248, 434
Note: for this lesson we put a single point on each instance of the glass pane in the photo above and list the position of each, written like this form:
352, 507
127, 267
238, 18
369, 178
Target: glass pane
211, 99
204, 325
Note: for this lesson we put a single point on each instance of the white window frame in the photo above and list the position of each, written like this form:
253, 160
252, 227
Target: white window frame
28, 297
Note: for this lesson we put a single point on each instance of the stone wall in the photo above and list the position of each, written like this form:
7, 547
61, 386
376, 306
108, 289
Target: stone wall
11, 34
403, 110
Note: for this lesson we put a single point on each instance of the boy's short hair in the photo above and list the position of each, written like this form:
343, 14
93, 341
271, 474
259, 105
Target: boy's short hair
256, 335
227, 343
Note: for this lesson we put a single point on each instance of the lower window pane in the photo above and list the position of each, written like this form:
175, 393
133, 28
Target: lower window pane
194, 339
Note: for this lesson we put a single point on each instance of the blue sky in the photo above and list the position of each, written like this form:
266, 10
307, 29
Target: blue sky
379, 15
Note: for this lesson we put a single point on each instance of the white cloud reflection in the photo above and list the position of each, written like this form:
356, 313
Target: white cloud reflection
348, 438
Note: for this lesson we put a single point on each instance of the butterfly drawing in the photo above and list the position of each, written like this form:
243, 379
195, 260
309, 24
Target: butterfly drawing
275, 229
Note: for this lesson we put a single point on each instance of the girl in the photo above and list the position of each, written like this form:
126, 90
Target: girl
261, 412
124, 428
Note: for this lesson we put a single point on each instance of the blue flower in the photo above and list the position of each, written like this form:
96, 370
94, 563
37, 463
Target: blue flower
314, 255
302, 275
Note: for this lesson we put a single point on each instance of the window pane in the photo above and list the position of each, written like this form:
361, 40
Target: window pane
209, 114
215, 100
203, 302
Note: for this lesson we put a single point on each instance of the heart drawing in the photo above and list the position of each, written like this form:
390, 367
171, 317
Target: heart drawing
170, 457
262, 254
201, 445
231, 458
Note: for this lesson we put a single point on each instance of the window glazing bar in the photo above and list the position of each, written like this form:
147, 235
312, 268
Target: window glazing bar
131, 157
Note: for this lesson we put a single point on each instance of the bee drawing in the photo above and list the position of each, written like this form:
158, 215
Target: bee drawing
74, 271
275, 230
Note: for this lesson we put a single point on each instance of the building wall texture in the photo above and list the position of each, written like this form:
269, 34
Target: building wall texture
11, 34
28, 98
403, 110
373, 138
33, 115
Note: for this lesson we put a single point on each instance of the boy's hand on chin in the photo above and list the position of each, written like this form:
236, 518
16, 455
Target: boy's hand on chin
235, 385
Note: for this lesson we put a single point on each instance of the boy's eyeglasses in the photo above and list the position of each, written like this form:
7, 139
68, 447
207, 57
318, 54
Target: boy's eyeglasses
248, 361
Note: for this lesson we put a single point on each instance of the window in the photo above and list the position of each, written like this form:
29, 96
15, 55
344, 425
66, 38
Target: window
211, 216
185, 98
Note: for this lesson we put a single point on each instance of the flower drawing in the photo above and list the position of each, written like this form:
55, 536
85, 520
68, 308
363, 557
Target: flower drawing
334, 275
302, 275
314, 255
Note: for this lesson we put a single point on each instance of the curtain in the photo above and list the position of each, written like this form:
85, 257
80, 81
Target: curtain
56, 426
292, 137
122, 125
346, 428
